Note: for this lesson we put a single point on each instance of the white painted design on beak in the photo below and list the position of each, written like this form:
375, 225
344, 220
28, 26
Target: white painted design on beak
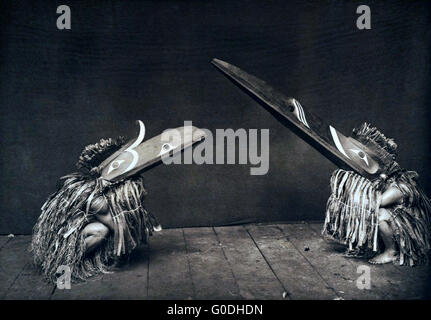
134, 145
337, 141
361, 154
115, 165
300, 113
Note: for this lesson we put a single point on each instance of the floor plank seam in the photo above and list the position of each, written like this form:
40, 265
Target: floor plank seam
382, 294
322, 258
4, 244
269, 265
13, 282
52, 292
318, 233
189, 266
228, 262
315, 269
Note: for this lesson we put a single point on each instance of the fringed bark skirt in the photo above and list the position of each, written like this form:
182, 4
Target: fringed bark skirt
352, 217
57, 236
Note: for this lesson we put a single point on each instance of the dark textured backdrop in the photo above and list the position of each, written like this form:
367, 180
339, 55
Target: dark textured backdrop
123, 61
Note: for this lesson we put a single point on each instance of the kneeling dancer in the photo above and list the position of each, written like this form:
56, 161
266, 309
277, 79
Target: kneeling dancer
98, 214
389, 215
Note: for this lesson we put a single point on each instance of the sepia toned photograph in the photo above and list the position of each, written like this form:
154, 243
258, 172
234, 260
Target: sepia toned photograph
210, 157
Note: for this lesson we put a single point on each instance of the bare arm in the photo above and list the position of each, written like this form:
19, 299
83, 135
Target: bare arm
100, 208
391, 196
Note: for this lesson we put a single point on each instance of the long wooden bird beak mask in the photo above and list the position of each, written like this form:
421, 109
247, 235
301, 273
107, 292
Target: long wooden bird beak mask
137, 155
364, 154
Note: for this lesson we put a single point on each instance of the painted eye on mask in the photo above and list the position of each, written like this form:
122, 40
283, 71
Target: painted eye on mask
115, 165
361, 154
166, 147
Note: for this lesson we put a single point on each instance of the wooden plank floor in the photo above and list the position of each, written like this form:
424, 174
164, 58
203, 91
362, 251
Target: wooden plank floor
258, 261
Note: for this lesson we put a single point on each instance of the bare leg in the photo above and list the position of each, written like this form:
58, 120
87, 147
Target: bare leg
105, 218
385, 231
95, 233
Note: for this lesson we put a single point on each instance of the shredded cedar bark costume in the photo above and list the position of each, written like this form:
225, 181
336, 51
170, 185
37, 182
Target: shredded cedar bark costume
353, 206
57, 237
